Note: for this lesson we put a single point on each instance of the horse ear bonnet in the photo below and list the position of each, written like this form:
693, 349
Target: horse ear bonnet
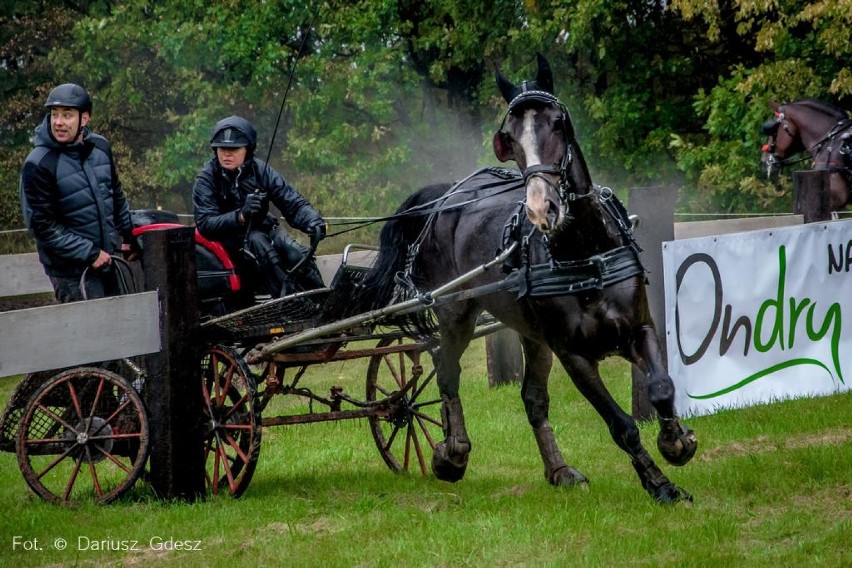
540, 90
770, 127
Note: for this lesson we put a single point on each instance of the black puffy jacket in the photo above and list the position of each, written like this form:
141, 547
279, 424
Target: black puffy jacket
72, 201
218, 196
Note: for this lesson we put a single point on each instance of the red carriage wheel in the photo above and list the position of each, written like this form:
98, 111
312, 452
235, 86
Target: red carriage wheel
83, 436
232, 414
408, 432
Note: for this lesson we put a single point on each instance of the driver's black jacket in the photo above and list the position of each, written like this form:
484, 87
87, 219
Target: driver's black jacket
218, 196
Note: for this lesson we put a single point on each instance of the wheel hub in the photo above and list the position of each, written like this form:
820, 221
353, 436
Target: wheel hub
94, 433
402, 414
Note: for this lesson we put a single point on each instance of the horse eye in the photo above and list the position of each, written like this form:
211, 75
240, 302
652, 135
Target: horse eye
559, 124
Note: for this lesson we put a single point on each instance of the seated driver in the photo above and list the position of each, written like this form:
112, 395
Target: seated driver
231, 195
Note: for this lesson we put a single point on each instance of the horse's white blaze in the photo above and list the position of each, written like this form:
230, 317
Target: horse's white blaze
539, 210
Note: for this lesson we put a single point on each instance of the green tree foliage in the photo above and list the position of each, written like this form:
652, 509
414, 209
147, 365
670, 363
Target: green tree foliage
28, 33
390, 95
801, 50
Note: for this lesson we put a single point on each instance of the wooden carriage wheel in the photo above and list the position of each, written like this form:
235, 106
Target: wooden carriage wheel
232, 416
407, 434
83, 436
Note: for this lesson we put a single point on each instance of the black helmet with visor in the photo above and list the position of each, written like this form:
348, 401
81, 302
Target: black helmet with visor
234, 132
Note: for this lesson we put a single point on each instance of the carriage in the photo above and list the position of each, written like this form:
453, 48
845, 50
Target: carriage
566, 276
83, 433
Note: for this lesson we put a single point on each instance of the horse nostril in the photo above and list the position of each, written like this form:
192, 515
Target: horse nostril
552, 213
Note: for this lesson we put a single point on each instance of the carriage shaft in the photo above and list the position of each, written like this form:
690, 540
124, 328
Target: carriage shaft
381, 412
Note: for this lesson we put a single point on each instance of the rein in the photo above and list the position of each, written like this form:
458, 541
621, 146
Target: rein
510, 179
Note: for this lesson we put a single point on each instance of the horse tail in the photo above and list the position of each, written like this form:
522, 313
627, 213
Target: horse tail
376, 290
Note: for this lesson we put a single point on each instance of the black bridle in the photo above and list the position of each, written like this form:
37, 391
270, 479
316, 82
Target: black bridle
770, 128
563, 189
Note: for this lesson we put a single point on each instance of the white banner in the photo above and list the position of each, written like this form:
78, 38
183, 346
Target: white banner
759, 316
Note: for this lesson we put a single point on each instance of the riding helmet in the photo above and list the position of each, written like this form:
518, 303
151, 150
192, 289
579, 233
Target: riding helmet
233, 132
70, 95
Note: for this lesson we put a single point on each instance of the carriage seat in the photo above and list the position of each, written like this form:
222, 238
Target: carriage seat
218, 279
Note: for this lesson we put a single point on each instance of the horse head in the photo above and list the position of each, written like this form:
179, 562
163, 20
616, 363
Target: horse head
782, 142
820, 129
538, 135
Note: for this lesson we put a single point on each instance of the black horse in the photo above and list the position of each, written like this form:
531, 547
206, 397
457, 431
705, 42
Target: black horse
577, 288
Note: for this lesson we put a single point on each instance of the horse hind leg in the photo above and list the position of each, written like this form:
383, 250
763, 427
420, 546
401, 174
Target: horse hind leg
538, 360
676, 442
622, 428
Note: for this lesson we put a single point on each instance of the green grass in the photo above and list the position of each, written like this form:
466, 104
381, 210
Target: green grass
772, 486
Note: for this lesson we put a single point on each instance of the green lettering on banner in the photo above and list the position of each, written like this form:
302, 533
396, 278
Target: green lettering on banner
777, 303
801, 311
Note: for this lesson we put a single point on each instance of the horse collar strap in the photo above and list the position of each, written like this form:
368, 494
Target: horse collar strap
594, 273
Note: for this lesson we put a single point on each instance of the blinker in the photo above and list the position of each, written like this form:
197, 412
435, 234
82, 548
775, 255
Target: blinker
770, 127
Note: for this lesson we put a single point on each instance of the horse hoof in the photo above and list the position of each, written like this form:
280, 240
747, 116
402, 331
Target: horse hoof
677, 448
446, 468
567, 477
669, 494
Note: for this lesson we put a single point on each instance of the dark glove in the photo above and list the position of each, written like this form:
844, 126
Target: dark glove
253, 207
317, 231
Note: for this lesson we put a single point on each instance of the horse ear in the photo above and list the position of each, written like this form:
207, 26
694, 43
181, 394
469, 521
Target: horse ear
507, 89
502, 147
544, 77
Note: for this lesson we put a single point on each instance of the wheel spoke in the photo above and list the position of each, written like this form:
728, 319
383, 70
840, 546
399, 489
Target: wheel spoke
55, 462
98, 393
421, 419
113, 459
57, 418
114, 414
237, 405
389, 363
421, 460
93, 470
73, 479
224, 455
237, 449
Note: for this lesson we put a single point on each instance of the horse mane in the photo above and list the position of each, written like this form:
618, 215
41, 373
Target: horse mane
822, 106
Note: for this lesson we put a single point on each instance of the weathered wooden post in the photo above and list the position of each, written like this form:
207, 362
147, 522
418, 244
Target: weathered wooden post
811, 195
173, 388
504, 357
655, 208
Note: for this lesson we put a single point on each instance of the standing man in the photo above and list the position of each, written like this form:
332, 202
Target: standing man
231, 197
72, 199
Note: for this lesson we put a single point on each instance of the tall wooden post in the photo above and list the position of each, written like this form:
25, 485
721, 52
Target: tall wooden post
811, 195
655, 208
173, 388
504, 357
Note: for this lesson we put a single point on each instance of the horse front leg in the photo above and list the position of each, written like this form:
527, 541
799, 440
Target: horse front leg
450, 456
622, 428
676, 442
538, 360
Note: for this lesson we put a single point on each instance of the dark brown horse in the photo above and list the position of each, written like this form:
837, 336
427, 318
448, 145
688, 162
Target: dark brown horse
578, 289
820, 129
